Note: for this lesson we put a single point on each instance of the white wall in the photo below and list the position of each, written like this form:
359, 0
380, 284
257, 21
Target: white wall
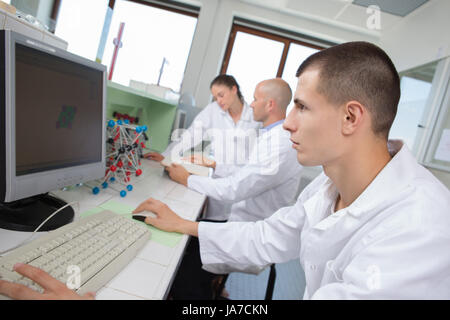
421, 37
214, 25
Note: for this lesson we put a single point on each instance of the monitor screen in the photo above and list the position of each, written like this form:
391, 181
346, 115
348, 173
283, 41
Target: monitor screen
57, 118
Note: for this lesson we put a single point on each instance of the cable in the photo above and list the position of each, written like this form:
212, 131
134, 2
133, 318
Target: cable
37, 229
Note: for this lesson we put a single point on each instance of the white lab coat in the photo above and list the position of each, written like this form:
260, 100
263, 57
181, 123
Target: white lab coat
231, 142
268, 182
392, 242
230, 146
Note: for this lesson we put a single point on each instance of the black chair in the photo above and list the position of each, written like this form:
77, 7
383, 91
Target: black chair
269, 290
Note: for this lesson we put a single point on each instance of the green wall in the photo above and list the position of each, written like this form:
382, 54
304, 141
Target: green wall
157, 114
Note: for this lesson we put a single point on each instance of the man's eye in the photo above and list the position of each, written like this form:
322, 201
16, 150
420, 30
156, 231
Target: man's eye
301, 106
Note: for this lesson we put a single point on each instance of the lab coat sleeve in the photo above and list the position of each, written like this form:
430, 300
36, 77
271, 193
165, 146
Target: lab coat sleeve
224, 170
400, 265
251, 180
241, 246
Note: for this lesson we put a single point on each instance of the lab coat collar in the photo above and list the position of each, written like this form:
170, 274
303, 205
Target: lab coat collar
247, 113
397, 174
273, 125
392, 179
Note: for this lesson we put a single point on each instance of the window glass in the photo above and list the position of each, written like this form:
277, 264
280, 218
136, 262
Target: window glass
410, 109
415, 87
80, 23
150, 36
252, 60
296, 55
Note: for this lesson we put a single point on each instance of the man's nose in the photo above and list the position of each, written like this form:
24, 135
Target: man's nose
288, 122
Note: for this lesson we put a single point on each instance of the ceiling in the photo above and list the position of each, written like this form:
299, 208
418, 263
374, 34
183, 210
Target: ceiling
424, 73
398, 7
354, 14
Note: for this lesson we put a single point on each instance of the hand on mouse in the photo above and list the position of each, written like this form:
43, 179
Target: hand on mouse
166, 219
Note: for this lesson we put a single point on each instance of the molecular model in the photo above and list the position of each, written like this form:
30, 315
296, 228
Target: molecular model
124, 146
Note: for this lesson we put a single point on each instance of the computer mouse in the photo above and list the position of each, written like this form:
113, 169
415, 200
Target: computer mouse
139, 217
142, 215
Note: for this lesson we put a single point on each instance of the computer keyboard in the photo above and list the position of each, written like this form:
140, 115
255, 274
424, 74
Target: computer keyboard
87, 253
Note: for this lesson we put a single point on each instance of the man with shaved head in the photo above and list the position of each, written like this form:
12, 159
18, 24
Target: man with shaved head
267, 183
271, 99
267, 172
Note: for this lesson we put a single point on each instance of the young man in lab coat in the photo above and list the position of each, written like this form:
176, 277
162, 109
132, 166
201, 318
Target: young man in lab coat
267, 183
374, 225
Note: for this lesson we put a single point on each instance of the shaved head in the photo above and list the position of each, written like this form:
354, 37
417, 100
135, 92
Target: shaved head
278, 90
271, 99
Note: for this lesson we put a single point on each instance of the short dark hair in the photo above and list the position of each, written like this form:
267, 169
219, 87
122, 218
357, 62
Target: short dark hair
228, 81
358, 71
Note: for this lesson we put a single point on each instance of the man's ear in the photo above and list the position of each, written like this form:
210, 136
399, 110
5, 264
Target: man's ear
354, 114
270, 105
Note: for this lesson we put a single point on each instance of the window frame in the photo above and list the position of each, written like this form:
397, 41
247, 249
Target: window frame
168, 5
173, 6
286, 40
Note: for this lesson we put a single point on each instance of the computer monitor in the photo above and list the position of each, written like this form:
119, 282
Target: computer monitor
52, 122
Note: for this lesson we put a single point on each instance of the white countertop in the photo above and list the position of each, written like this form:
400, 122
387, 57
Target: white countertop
151, 273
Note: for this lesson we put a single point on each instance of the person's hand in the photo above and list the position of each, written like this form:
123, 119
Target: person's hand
166, 219
154, 156
201, 160
53, 289
178, 173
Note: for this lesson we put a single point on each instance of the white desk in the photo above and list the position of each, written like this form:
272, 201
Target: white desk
151, 273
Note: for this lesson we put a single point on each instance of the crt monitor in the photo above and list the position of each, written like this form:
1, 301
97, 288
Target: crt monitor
52, 122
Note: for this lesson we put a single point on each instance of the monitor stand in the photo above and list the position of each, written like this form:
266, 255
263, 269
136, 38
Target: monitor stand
27, 214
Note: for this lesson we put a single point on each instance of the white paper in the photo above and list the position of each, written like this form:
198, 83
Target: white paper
189, 166
443, 149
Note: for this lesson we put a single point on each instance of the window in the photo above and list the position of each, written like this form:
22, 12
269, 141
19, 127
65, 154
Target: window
255, 58
150, 36
156, 36
435, 122
254, 55
81, 27
296, 55
415, 87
